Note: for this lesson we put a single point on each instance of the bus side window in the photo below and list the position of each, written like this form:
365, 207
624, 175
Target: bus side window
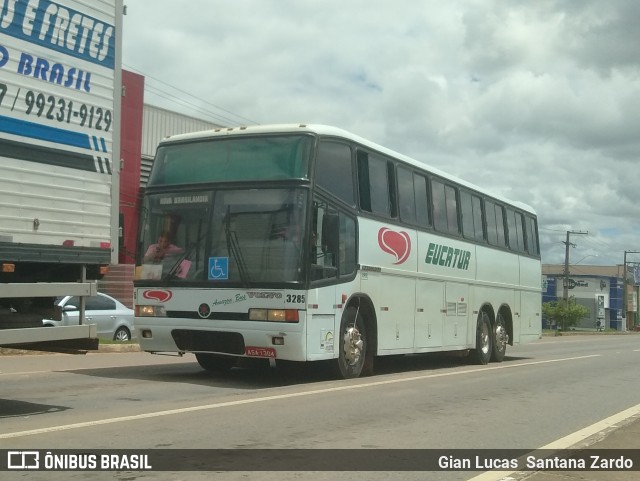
452, 209
376, 184
324, 241
494, 215
439, 206
333, 243
532, 236
445, 207
422, 200
516, 231
471, 209
406, 196
330, 239
334, 172
347, 248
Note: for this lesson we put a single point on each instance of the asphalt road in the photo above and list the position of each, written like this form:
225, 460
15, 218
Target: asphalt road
541, 393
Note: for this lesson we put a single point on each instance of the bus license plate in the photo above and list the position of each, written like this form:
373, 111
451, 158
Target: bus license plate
268, 352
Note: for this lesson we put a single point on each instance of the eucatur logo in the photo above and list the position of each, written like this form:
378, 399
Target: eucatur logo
159, 295
398, 244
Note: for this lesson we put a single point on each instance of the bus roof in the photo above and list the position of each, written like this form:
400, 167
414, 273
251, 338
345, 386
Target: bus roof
325, 130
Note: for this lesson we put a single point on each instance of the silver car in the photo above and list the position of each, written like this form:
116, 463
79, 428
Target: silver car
113, 319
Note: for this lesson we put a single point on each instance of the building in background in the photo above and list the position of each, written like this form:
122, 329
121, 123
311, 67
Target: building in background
598, 288
159, 123
130, 155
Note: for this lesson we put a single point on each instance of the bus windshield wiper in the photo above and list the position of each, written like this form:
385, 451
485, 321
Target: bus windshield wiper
176, 266
185, 255
233, 247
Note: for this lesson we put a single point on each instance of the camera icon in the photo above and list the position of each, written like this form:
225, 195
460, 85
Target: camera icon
23, 460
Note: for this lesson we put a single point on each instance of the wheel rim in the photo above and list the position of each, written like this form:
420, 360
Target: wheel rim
122, 335
501, 335
353, 345
485, 337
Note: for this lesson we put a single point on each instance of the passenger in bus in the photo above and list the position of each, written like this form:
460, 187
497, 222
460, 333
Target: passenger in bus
164, 247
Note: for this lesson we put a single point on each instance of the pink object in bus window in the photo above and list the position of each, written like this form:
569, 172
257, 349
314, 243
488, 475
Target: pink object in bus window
183, 269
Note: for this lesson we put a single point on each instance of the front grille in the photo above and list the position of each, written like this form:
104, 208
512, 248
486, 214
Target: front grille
208, 341
216, 316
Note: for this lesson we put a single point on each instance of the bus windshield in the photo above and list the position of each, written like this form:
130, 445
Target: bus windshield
233, 159
234, 237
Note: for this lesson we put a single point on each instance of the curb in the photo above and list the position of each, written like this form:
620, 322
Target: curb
124, 347
102, 348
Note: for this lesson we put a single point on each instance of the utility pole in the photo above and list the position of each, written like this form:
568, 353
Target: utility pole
567, 243
624, 289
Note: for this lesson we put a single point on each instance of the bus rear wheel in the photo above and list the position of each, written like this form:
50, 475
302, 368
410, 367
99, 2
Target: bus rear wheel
482, 352
352, 343
500, 339
214, 362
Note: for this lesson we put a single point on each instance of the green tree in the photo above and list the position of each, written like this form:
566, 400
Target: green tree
564, 314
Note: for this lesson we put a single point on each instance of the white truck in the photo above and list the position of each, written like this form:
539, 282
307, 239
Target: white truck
60, 93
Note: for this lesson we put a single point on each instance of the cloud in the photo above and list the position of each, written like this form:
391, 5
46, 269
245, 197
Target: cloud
538, 101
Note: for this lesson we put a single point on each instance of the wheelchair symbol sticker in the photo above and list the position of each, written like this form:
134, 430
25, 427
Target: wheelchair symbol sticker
218, 268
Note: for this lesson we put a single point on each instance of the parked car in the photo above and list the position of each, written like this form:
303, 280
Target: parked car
113, 319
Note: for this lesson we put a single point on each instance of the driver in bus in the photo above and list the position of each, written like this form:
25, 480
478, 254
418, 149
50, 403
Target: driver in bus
157, 252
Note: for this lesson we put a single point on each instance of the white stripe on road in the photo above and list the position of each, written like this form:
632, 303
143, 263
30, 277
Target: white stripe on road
26, 373
240, 402
567, 441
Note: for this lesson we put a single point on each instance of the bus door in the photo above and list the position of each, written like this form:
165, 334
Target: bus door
332, 272
323, 318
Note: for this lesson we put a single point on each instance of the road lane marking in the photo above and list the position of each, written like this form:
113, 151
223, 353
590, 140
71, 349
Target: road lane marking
240, 402
26, 373
567, 441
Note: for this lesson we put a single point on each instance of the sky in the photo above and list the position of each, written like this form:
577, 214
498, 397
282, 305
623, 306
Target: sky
538, 101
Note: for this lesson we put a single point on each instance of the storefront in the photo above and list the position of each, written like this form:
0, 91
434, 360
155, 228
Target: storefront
598, 288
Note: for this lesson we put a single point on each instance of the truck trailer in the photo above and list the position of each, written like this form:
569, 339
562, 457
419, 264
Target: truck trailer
60, 94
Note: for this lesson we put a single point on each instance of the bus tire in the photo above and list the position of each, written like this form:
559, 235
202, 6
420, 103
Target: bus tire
483, 350
500, 339
352, 344
214, 362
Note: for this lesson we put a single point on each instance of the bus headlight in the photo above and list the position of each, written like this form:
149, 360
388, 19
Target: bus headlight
150, 311
274, 315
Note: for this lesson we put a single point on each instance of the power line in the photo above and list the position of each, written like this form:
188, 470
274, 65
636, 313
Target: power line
551, 230
596, 240
218, 118
194, 97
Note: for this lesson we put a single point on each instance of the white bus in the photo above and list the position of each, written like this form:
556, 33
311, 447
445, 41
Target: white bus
307, 243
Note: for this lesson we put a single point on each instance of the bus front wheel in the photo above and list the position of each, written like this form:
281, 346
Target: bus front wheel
215, 363
352, 344
483, 350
